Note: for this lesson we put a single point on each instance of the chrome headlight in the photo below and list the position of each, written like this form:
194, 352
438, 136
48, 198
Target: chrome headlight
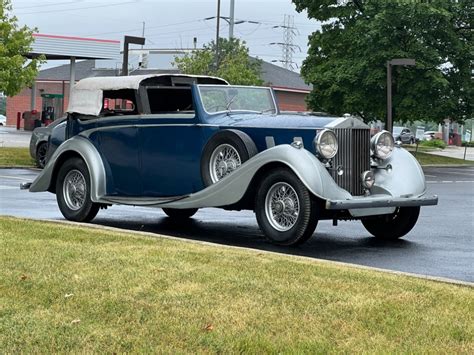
326, 144
382, 145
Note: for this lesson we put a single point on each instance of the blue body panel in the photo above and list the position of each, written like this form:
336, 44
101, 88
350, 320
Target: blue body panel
158, 155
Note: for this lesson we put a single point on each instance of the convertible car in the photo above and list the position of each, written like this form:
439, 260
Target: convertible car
181, 143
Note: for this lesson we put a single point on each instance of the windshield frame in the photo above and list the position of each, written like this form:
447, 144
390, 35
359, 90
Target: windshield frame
272, 94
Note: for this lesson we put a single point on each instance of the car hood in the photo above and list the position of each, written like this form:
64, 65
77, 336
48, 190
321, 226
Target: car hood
274, 121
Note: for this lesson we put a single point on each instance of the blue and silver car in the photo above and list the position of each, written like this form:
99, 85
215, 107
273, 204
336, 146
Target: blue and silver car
181, 143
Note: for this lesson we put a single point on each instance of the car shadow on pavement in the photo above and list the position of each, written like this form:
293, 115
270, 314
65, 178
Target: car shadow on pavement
321, 245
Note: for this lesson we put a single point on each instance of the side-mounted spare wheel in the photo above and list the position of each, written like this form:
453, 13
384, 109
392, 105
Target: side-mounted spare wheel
225, 152
286, 211
73, 191
393, 226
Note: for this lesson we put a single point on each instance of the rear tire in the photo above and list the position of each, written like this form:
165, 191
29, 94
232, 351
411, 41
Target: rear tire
393, 226
41, 152
73, 190
180, 214
286, 211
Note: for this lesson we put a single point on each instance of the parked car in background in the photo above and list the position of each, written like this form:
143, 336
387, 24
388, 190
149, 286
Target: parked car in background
3, 120
39, 142
181, 143
429, 135
403, 135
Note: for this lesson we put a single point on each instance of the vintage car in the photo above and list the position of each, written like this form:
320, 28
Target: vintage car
181, 143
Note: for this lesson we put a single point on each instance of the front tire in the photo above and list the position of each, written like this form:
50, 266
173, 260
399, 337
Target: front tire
73, 189
180, 214
286, 212
393, 226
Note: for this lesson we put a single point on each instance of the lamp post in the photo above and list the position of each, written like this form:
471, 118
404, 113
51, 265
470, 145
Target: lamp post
126, 41
390, 63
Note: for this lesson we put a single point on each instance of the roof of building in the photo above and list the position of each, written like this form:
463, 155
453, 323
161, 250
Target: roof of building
271, 74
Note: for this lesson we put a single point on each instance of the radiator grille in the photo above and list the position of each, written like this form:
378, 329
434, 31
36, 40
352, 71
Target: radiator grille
353, 156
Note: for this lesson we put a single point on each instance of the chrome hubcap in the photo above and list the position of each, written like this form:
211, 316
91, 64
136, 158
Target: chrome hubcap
282, 206
74, 190
224, 160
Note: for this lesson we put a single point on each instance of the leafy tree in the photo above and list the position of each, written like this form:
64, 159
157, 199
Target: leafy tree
233, 64
16, 71
347, 58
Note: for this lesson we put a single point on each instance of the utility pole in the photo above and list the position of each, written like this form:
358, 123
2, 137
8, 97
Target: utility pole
287, 46
143, 31
218, 20
231, 19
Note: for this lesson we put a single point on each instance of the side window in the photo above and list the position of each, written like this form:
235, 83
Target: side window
119, 102
170, 100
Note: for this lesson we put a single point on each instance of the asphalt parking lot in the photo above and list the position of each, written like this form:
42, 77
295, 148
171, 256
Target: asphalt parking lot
441, 244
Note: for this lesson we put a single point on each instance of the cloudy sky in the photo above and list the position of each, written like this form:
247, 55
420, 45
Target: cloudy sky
169, 23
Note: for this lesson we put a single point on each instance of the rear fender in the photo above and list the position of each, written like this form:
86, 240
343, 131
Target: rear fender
75, 146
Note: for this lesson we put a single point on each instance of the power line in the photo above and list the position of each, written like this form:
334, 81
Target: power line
76, 8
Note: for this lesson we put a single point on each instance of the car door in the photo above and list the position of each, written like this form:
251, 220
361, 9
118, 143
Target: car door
171, 143
119, 148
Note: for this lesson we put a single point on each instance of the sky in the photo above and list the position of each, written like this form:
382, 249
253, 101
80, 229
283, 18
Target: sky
170, 23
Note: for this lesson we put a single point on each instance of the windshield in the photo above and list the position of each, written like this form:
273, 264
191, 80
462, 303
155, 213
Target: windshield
220, 98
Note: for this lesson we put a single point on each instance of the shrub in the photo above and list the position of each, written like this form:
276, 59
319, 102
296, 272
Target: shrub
434, 143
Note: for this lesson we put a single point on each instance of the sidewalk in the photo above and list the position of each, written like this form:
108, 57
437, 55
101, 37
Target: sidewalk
453, 152
10, 137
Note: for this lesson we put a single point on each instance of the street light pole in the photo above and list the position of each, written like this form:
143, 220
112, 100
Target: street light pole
217, 31
390, 63
231, 19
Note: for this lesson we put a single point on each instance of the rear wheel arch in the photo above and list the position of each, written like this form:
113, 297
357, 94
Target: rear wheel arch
65, 156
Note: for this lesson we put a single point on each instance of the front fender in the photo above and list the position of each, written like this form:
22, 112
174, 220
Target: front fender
405, 178
86, 150
232, 188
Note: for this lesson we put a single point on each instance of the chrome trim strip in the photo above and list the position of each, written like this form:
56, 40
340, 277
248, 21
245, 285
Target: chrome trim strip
270, 141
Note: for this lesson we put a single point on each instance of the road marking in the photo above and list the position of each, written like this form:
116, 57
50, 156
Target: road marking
13, 178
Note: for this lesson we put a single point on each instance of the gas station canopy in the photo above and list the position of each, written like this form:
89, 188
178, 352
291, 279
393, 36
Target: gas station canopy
55, 47
65, 47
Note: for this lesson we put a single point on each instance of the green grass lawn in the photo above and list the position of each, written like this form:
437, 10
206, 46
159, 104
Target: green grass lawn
15, 157
71, 289
427, 159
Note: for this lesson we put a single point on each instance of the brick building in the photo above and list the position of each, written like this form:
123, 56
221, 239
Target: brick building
289, 88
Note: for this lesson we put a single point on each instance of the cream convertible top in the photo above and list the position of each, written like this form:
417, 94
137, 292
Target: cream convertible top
87, 94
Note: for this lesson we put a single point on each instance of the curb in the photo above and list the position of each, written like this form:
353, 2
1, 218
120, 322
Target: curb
258, 251
21, 167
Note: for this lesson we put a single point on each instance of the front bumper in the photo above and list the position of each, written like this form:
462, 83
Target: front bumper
380, 201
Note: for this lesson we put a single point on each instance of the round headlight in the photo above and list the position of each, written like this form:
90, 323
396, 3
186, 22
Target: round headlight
382, 145
326, 144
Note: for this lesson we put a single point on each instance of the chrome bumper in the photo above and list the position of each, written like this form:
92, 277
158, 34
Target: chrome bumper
377, 201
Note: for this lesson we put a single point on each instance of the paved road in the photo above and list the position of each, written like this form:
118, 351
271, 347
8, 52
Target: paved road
11, 137
441, 244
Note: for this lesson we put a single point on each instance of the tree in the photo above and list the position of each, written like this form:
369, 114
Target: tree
347, 58
233, 64
16, 71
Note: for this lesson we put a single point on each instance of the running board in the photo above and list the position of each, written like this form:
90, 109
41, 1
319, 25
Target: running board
140, 201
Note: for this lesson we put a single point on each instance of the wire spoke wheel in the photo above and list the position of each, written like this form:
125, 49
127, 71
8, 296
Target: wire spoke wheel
41, 155
74, 190
224, 160
282, 206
